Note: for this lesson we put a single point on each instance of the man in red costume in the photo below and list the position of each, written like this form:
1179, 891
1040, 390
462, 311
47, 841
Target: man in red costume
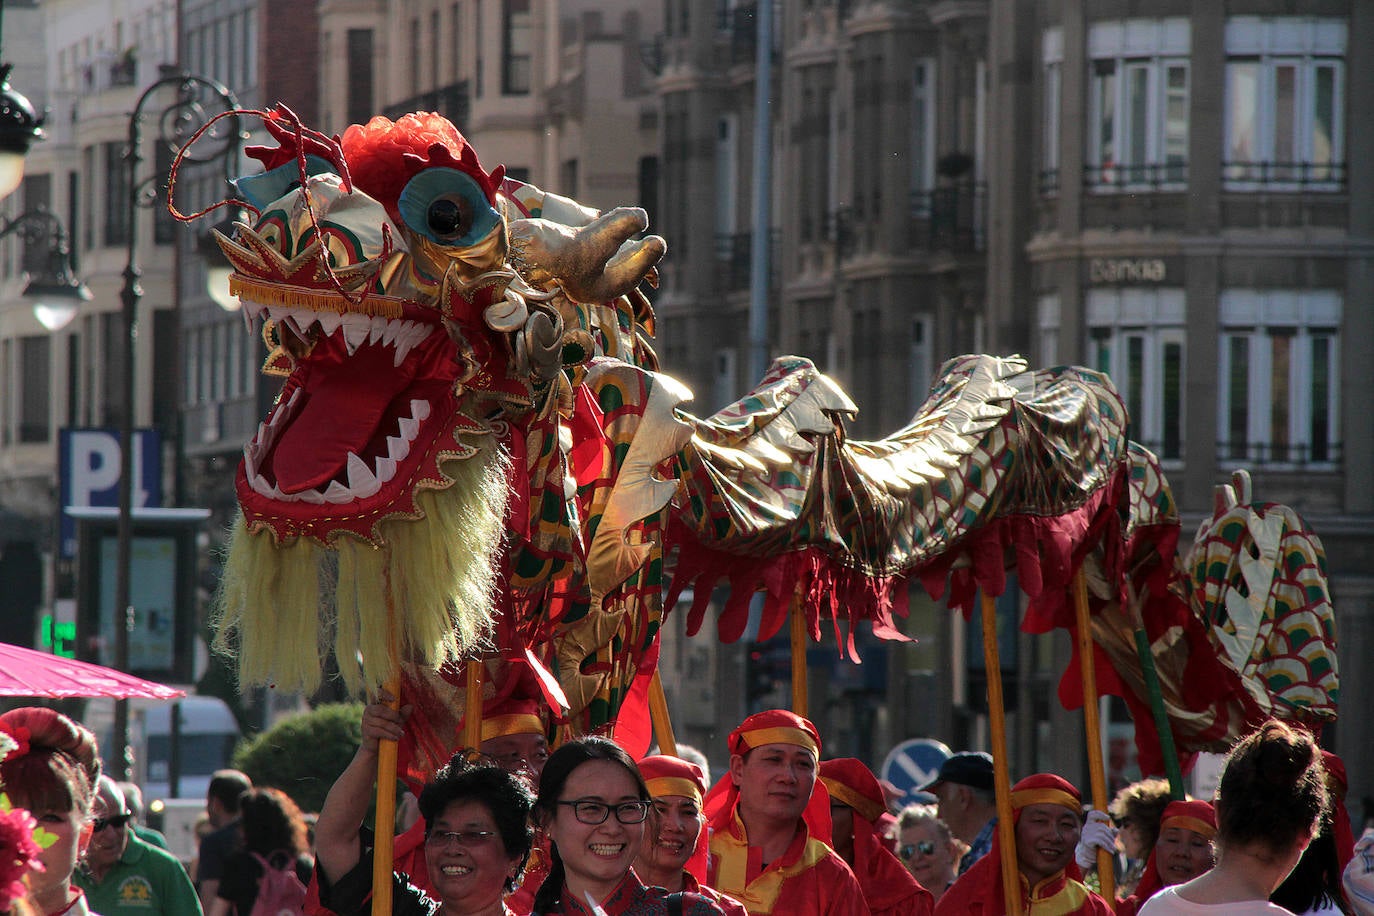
858, 812
1047, 813
769, 829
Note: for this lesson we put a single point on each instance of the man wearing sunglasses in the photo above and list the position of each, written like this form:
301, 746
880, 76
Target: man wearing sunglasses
125, 876
769, 830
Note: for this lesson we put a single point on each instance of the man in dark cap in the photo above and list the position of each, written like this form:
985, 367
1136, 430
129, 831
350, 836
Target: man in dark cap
967, 802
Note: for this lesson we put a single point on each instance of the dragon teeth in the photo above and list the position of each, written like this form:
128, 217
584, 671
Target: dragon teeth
361, 480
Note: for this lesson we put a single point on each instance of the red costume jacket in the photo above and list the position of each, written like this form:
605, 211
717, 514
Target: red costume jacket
808, 880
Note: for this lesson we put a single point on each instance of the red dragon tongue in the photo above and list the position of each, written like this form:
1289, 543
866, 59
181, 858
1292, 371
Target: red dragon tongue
342, 404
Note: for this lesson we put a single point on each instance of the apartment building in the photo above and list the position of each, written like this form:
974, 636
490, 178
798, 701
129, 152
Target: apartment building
1179, 198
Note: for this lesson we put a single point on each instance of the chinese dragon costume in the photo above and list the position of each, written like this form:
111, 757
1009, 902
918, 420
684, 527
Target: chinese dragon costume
474, 454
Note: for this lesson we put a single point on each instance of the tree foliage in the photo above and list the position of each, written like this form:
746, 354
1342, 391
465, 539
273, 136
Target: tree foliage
303, 754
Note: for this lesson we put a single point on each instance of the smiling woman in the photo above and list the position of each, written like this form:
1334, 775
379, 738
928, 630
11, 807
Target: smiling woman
596, 808
477, 834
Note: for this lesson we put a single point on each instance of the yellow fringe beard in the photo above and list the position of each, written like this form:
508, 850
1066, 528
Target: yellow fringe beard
426, 596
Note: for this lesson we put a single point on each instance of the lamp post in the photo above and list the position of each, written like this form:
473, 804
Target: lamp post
56, 291
199, 100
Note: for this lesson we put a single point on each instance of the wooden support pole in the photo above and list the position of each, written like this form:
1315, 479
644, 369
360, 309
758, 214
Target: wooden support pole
472, 704
658, 714
386, 813
1097, 768
799, 640
1001, 774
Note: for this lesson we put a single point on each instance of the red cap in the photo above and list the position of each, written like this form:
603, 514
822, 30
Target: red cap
852, 783
1197, 816
673, 776
774, 726
1046, 789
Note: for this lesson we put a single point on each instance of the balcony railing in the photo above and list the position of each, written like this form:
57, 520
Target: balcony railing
951, 218
452, 101
1298, 175
1289, 453
734, 259
1151, 176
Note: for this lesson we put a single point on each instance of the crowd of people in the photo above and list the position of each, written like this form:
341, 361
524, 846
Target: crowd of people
585, 830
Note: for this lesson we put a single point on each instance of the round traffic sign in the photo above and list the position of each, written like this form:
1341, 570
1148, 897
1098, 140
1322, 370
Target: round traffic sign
912, 764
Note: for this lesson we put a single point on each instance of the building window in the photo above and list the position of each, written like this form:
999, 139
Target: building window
1278, 377
1285, 83
34, 362
116, 194
455, 42
1052, 52
920, 360
414, 56
359, 100
1136, 336
516, 44
922, 125
1138, 104
567, 177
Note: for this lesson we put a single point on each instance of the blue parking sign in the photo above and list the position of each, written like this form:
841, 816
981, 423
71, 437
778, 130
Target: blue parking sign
912, 764
88, 467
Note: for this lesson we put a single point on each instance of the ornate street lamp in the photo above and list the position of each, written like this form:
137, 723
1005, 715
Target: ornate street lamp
199, 102
56, 291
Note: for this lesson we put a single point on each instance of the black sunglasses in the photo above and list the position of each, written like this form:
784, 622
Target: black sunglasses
118, 822
925, 848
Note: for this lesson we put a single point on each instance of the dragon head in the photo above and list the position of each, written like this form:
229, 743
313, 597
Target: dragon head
426, 314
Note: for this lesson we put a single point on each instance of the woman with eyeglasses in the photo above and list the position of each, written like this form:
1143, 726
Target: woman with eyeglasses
52, 773
477, 834
595, 807
927, 848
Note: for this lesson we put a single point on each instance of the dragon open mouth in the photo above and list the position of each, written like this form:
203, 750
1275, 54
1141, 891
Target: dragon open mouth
357, 408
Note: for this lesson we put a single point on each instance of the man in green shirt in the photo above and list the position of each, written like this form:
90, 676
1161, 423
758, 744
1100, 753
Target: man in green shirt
125, 876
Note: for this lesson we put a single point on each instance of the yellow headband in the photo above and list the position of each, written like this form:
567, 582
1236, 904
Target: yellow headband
1045, 796
1197, 825
514, 724
673, 785
779, 734
867, 808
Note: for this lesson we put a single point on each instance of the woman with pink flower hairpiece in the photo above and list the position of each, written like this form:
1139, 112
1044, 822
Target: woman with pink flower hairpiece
49, 774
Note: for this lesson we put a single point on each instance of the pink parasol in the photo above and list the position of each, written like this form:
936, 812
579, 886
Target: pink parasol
31, 673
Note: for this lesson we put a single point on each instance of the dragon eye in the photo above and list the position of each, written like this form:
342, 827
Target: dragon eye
449, 217
446, 206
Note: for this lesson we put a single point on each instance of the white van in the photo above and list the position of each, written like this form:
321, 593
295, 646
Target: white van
209, 733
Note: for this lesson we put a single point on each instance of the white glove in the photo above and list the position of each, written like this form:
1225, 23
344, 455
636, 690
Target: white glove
1098, 833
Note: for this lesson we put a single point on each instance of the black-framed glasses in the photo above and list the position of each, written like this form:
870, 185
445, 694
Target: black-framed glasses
118, 822
908, 852
595, 812
468, 839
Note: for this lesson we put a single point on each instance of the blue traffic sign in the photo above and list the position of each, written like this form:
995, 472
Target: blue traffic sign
912, 764
89, 465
